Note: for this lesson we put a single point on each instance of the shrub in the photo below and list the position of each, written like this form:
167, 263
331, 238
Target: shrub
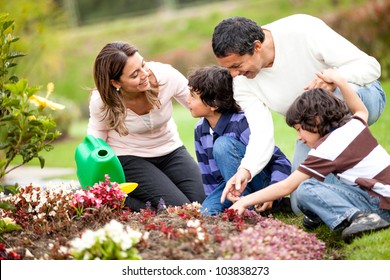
24, 130
368, 28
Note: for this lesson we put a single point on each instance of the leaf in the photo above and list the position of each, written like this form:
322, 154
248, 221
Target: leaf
11, 65
4, 145
4, 227
41, 161
15, 54
18, 87
7, 24
6, 206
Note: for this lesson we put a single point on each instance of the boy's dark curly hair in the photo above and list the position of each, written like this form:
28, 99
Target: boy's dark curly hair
318, 111
214, 84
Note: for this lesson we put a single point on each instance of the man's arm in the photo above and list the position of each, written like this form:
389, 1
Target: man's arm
261, 140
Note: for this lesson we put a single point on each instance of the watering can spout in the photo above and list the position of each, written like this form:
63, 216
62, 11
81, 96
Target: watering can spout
128, 187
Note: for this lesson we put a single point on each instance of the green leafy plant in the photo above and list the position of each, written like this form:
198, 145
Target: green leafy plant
24, 130
8, 225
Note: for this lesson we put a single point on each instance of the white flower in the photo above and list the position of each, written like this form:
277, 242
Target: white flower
123, 237
63, 249
26, 197
126, 243
87, 256
145, 236
194, 224
77, 245
114, 230
100, 235
41, 215
88, 238
34, 197
201, 235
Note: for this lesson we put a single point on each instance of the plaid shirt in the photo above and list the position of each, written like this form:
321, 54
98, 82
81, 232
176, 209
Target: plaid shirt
236, 126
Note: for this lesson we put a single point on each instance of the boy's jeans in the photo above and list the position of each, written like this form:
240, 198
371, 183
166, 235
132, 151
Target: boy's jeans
373, 97
228, 153
334, 203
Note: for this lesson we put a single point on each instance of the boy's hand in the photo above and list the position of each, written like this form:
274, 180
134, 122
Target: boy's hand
331, 76
264, 206
327, 79
238, 206
320, 83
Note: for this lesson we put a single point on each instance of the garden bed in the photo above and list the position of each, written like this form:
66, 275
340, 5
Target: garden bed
59, 223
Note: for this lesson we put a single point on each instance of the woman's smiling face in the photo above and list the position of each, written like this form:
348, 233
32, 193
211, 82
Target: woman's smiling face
135, 75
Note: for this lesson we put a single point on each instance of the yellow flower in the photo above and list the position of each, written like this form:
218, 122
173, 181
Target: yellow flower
50, 89
44, 101
8, 221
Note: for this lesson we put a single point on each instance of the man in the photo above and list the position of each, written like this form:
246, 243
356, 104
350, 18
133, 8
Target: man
274, 64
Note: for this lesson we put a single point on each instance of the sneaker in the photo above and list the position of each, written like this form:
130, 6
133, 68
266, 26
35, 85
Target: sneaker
363, 223
311, 223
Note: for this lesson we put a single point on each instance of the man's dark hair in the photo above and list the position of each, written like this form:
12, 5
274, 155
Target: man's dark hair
214, 84
236, 35
318, 111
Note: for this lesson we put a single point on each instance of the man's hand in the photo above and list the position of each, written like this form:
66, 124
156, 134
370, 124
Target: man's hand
236, 185
320, 83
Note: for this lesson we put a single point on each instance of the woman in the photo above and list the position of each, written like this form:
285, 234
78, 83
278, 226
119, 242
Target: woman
132, 111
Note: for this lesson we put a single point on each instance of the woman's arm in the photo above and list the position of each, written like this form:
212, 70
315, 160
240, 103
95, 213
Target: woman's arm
96, 126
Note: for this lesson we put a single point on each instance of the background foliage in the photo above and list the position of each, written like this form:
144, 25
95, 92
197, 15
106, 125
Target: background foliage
61, 52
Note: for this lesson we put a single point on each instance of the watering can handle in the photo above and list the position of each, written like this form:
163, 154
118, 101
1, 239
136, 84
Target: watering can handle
93, 141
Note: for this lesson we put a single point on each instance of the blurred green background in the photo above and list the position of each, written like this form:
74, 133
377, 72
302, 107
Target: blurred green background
62, 38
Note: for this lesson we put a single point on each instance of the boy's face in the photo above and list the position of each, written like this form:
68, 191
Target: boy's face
306, 137
196, 106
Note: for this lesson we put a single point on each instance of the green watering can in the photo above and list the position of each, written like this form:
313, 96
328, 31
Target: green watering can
95, 158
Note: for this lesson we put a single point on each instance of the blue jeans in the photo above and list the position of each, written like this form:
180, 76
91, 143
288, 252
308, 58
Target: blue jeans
228, 153
336, 203
374, 99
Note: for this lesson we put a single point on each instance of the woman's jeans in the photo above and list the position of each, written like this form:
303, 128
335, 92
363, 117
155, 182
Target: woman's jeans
228, 153
373, 98
336, 203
